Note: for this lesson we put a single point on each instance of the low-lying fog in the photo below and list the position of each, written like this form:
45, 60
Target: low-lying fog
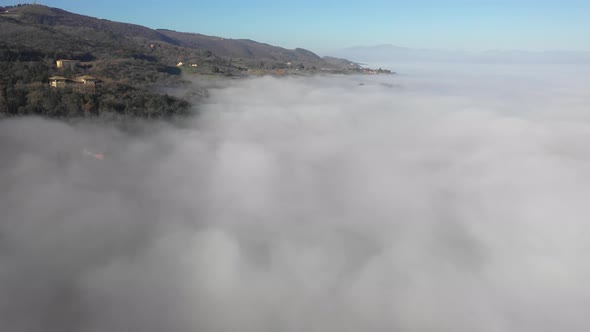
440, 199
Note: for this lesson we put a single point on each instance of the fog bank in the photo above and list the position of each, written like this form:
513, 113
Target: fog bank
380, 53
440, 199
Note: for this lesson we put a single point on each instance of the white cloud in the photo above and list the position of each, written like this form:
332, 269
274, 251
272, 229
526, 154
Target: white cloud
454, 201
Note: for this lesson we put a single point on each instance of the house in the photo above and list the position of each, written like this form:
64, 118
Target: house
66, 64
180, 64
82, 84
86, 79
57, 81
85, 84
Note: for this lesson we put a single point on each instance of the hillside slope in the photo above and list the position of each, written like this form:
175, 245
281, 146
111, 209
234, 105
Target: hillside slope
58, 32
244, 48
131, 62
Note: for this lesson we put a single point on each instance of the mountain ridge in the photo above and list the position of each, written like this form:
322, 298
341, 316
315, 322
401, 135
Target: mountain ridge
59, 19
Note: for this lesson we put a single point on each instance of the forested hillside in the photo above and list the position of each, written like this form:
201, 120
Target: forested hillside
130, 63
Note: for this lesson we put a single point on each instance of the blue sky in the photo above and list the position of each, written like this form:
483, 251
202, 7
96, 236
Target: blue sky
330, 25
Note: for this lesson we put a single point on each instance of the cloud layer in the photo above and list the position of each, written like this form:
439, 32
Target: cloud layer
446, 199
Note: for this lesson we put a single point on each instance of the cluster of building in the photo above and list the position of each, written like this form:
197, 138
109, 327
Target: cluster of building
369, 71
83, 84
182, 64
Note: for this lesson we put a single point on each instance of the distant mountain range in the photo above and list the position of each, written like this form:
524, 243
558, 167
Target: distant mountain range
391, 53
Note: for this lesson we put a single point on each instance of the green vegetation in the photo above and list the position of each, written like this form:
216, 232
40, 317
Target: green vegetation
132, 64
130, 72
127, 88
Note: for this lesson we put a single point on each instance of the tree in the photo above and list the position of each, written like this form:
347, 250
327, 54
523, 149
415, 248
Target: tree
35, 100
3, 100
